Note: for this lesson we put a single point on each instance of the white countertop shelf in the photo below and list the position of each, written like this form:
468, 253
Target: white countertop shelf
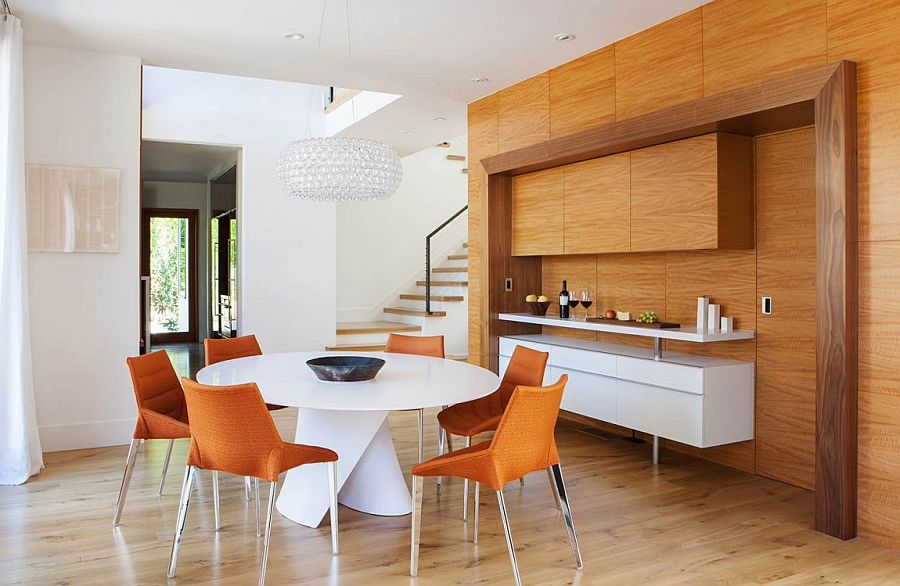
684, 333
695, 360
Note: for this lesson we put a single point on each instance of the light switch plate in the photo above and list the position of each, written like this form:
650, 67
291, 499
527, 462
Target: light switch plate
507, 284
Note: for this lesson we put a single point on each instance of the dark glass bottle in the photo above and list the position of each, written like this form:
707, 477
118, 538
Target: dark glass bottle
564, 302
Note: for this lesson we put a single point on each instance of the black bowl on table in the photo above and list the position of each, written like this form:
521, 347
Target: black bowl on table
345, 369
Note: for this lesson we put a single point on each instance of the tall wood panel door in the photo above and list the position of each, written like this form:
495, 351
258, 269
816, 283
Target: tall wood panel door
786, 339
537, 213
597, 205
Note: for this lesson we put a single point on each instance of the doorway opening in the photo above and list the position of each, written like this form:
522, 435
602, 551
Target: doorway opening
170, 259
189, 247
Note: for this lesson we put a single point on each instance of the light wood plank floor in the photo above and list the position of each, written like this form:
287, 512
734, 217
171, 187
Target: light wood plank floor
686, 522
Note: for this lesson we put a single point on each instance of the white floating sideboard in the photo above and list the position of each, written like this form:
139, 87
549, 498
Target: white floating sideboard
701, 401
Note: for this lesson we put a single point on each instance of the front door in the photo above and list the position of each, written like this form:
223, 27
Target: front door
169, 258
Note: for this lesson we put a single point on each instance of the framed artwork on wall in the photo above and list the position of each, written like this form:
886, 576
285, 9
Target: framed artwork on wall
72, 209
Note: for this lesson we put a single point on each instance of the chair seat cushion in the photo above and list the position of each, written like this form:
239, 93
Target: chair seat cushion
472, 417
297, 455
153, 425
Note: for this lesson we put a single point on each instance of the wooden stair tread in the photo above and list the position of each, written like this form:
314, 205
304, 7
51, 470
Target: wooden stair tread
374, 327
421, 297
458, 257
450, 270
356, 348
413, 312
444, 283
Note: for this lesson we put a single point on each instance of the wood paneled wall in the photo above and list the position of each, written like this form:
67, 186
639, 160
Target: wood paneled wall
734, 43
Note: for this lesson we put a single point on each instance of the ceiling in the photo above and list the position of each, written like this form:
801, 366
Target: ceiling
171, 161
425, 50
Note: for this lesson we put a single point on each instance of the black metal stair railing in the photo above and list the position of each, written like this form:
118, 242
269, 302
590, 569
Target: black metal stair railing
428, 257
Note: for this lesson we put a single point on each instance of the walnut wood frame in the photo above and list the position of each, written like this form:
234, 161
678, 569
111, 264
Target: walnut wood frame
824, 97
192, 335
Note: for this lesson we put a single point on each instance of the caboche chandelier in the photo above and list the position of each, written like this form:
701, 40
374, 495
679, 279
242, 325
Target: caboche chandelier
338, 168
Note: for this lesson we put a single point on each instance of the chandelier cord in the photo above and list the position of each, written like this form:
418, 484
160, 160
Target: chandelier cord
316, 59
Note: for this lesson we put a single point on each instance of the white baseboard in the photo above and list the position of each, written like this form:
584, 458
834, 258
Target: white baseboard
91, 434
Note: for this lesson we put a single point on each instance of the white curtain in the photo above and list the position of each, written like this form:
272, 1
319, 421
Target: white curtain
20, 447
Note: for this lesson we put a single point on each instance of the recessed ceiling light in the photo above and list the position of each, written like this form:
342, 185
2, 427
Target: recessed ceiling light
438, 118
293, 36
563, 37
479, 79
410, 132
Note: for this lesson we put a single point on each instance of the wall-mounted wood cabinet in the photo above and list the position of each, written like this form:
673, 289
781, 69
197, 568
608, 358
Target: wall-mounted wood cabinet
692, 194
537, 213
597, 206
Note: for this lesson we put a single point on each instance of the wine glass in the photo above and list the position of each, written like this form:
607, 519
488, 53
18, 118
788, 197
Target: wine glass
573, 303
586, 301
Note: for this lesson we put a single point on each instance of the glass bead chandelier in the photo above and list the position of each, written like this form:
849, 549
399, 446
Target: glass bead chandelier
338, 169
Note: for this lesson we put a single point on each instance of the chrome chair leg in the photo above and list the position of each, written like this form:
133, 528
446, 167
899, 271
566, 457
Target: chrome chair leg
248, 489
416, 525
442, 434
332, 495
509, 541
126, 480
567, 513
265, 559
421, 435
218, 519
522, 481
256, 489
466, 489
477, 503
449, 441
186, 488
553, 487
162, 480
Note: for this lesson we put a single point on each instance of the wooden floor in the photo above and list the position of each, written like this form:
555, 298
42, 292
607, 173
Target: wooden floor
685, 522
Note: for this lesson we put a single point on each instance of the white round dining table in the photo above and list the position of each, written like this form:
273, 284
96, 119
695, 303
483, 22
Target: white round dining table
352, 420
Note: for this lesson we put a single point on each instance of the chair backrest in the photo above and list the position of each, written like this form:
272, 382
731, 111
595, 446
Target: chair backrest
156, 385
420, 345
218, 350
231, 430
526, 368
524, 440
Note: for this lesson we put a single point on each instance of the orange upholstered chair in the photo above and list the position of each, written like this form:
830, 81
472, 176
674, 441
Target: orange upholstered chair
526, 368
432, 346
162, 414
232, 431
222, 349
523, 443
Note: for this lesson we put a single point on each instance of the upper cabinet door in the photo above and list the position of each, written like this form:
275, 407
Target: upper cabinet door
597, 209
537, 213
693, 194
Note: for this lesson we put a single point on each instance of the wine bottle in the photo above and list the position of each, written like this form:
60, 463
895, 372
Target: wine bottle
564, 302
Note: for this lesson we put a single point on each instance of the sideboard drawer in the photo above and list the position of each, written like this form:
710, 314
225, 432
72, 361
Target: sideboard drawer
508, 346
661, 374
583, 360
587, 394
663, 412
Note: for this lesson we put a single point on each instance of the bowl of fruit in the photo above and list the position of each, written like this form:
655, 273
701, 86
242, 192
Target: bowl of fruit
538, 304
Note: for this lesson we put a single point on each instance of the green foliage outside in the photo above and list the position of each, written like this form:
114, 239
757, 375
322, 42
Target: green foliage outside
168, 269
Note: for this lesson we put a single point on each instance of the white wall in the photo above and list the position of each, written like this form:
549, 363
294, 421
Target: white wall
286, 247
381, 244
181, 195
83, 109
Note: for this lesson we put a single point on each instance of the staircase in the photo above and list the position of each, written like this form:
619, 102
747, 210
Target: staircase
448, 316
